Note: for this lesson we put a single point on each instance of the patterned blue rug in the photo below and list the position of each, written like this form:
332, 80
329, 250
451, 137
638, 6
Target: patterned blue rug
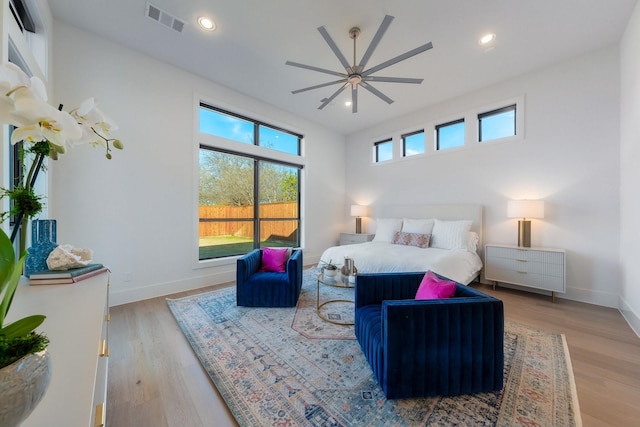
286, 367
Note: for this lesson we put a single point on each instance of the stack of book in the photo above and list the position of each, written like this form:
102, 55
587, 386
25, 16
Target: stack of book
61, 277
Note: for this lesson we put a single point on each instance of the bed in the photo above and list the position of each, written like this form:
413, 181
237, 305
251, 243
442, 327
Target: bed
400, 243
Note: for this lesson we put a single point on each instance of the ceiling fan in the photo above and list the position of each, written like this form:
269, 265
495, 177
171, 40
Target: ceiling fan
356, 75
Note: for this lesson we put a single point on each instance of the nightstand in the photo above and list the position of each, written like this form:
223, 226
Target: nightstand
540, 268
351, 238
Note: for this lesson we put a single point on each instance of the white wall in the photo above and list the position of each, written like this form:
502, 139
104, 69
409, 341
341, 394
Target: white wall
137, 211
630, 171
569, 157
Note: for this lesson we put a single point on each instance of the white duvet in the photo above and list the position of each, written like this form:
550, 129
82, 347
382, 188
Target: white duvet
375, 257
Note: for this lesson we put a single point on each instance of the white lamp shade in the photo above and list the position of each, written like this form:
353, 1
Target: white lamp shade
359, 210
525, 209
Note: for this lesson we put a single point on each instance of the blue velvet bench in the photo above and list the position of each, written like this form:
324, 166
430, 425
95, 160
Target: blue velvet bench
429, 347
255, 288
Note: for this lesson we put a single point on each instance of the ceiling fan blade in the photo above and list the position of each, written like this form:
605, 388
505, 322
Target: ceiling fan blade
393, 79
312, 68
332, 97
377, 93
334, 48
354, 98
376, 39
398, 58
319, 86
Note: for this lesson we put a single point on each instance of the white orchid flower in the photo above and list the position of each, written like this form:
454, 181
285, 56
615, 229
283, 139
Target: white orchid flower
11, 77
42, 122
23, 104
96, 126
16, 85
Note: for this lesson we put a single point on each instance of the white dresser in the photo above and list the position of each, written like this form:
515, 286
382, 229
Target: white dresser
77, 327
540, 268
352, 238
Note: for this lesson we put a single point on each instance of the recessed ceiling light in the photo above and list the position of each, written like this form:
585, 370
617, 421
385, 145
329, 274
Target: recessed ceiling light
487, 39
347, 103
206, 24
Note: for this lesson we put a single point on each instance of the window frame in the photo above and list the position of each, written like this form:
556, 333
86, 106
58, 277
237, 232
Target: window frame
446, 124
496, 111
256, 128
257, 219
403, 138
376, 150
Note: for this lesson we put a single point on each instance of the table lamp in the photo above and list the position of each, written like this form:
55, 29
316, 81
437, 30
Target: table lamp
359, 211
525, 209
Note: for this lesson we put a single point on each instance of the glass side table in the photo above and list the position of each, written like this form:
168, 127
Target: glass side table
337, 281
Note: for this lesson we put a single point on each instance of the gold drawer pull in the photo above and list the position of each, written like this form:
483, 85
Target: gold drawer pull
521, 272
104, 350
522, 260
99, 420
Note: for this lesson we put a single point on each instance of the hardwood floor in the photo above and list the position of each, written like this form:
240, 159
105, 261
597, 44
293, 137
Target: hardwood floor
156, 380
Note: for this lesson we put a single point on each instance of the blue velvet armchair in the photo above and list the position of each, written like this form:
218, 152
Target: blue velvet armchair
255, 288
420, 348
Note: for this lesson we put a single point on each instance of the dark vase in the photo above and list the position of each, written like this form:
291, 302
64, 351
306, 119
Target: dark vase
43, 241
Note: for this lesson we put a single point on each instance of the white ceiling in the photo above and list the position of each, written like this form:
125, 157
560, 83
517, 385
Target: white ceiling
254, 38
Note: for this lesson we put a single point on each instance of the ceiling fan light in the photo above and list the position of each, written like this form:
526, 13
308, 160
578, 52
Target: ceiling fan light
206, 24
354, 79
488, 38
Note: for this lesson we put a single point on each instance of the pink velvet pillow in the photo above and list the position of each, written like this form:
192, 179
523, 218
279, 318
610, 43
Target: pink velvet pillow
274, 259
432, 287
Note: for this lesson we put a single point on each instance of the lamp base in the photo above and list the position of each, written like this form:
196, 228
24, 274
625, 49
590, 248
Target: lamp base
358, 225
524, 233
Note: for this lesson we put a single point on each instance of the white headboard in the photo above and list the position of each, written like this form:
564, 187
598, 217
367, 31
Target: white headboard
450, 212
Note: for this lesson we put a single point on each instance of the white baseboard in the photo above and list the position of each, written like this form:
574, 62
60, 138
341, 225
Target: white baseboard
632, 318
575, 294
125, 296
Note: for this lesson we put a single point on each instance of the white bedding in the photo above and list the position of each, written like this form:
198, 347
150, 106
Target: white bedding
374, 257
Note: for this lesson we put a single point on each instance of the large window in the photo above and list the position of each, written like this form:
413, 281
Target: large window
413, 143
225, 124
450, 135
383, 150
246, 202
495, 124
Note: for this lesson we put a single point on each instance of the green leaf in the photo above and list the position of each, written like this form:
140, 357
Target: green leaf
22, 327
11, 284
7, 259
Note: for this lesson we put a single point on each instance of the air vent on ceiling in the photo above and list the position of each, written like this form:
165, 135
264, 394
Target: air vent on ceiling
164, 18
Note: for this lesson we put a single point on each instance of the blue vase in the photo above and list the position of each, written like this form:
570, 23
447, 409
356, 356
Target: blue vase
43, 241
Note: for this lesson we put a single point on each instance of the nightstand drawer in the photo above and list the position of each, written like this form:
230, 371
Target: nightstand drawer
525, 255
525, 278
524, 266
353, 238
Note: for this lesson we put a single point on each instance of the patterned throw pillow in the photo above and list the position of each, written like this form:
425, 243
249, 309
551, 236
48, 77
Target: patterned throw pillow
411, 239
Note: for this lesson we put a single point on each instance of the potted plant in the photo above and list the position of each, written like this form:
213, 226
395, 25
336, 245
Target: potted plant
25, 368
329, 269
45, 132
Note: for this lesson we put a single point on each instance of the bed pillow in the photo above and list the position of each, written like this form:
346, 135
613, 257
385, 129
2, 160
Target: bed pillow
450, 234
472, 242
411, 239
422, 226
433, 287
385, 227
274, 259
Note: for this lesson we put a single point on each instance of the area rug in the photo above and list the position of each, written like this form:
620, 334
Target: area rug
283, 367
